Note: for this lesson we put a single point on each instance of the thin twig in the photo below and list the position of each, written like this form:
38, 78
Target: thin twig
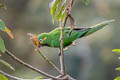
68, 11
61, 49
10, 76
49, 61
31, 67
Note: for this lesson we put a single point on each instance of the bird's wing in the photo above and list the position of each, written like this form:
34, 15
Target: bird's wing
81, 28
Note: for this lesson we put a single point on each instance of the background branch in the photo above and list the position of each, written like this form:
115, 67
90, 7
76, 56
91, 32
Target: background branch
48, 61
29, 66
10, 76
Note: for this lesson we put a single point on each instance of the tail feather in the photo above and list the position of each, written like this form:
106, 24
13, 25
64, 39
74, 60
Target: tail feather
96, 28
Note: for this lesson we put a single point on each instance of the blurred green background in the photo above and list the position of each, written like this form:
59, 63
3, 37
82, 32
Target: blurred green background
90, 59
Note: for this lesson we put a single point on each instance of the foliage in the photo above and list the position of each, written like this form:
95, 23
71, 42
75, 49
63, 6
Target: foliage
86, 2
5, 29
2, 77
7, 64
58, 10
116, 50
117, 78
2, 46
3, 49
3, 6
118, 69
2, 25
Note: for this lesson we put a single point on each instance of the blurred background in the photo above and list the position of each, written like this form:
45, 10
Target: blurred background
90, 59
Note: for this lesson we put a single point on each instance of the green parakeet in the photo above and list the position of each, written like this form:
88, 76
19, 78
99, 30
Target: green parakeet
52, 39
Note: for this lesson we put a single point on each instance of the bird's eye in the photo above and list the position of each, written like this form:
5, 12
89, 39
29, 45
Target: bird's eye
41, 40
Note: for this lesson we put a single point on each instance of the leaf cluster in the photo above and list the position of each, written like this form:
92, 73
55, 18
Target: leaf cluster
58, 10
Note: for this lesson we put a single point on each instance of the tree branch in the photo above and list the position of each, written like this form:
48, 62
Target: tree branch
48, 61
61, 49
10, 76
68, 12
31, 67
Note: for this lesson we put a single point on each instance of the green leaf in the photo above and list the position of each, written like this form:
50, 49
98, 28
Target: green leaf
117, 78
54, 4
63, 17
118, 57
86, 2
61, 10
54, 7
2, 45
58, 10
7, 64
2, 77
3, 6
53, 21
59, 15
118, 69
116, 50
4, 28
2, 25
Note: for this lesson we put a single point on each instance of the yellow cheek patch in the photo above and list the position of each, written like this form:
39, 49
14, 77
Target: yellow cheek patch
43, 40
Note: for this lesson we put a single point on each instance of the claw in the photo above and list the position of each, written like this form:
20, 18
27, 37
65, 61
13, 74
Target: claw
59, 52
73, 44
66, 48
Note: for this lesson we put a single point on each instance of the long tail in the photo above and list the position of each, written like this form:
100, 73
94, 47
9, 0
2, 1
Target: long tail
95, 28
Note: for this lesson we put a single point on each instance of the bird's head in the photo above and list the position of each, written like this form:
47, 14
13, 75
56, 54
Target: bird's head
37, 39
42, 37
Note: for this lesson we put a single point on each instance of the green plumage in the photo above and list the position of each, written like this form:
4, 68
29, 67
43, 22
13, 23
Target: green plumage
52, 39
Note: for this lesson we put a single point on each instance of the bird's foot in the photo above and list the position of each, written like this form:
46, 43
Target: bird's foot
73, 44
66, 48
59, 52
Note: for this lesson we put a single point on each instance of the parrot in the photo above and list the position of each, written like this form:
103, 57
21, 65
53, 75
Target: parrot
52, 39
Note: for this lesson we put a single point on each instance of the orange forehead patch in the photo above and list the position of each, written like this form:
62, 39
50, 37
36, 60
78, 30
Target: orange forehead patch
34, 39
